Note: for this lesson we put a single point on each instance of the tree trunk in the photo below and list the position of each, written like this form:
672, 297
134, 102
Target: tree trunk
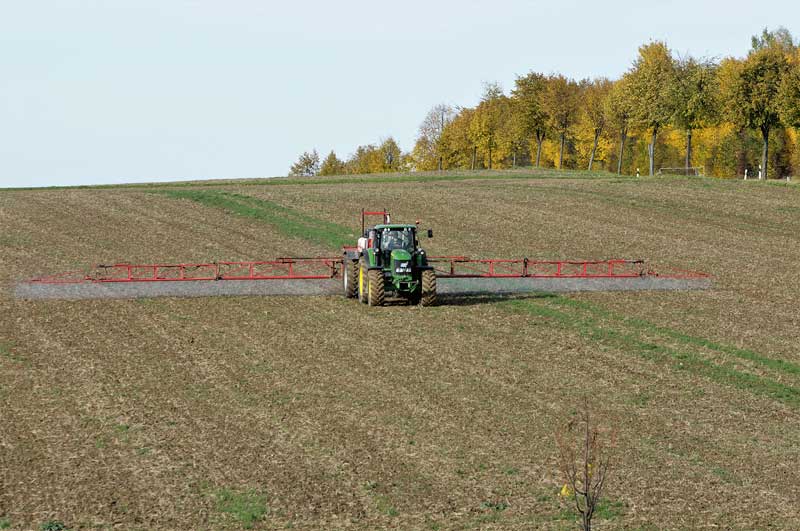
561, 152
539, 140
594, 148
514, 159
741, 154
490, 155
474, 154
652, 152
623, 136
688, 150
764, 150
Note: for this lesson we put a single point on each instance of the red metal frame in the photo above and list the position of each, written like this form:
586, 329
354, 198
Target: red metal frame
281, 268
463, 267
328, 268
364, 213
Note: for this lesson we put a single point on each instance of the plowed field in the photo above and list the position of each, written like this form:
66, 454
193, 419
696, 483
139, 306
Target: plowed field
318, 412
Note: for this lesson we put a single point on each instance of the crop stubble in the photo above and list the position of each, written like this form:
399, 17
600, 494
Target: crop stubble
137, 412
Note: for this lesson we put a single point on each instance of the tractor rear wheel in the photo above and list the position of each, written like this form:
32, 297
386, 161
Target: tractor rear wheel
363, 281
376, 288
350, 278
428, 288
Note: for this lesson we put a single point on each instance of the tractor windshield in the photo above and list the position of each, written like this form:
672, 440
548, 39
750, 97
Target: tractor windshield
399, 238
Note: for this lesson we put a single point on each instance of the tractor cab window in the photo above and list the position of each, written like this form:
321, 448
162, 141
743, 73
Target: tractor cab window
397, 239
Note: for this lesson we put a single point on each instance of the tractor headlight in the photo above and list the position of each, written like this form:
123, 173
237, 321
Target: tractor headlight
403, 267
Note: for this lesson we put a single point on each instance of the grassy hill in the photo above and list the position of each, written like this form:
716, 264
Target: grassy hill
224, 413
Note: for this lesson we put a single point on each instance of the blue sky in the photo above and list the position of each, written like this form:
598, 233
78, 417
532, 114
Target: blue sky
148, 90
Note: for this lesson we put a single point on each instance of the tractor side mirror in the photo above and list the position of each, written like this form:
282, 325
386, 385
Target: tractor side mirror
430, 233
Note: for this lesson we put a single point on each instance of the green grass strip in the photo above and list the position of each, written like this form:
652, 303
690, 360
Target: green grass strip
287, 221
415, 177
783, 366
247, 507
682, 360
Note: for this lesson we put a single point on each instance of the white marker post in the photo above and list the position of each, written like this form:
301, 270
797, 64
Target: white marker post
759, 172
745, 174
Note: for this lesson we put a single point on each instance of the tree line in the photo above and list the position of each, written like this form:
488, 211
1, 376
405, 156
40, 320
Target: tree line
734, 117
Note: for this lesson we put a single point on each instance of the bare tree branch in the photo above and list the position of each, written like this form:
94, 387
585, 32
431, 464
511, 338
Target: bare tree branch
596, 446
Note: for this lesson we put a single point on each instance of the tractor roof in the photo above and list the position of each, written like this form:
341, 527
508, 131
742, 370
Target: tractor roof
395, 226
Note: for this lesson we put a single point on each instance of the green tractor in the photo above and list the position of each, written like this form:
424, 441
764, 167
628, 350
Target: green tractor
388, 260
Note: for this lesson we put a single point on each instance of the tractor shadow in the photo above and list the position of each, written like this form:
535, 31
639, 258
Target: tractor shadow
476, 299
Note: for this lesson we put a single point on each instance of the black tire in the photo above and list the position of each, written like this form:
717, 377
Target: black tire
416, 297
376, 293
428, 288
350, 278
363, 281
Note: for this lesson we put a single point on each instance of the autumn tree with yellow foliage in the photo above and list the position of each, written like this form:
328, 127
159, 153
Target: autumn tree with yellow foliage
561, 101
727, 117
594, 110
752, 98
384, 158
428, 150
618, 110
789, 92
489, 128
694, 96
332, 165
457, 147
650, 82
530, 119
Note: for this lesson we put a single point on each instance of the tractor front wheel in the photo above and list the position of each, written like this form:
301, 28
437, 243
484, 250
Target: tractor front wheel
350, 278
428, 288
415, 297
376, 288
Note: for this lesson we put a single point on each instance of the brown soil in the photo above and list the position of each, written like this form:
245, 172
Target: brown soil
142, 414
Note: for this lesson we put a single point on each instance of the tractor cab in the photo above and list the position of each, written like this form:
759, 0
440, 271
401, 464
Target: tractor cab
395, 242
398, 237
